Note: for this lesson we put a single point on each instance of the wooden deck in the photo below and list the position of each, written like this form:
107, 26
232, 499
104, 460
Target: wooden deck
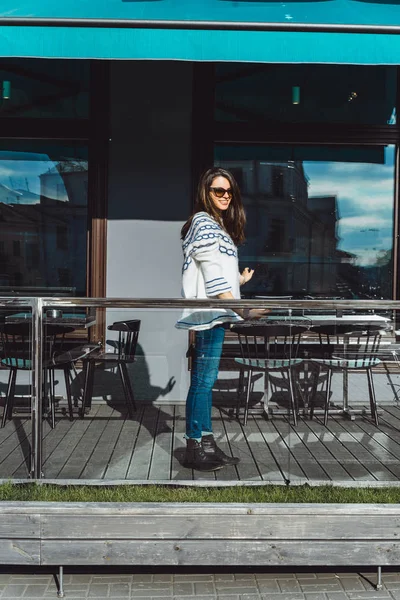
107, 446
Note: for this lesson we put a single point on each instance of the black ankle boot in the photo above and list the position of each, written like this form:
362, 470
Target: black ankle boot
196, 458
212, 451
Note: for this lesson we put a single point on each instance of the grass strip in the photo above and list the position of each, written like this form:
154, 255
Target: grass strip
32, 492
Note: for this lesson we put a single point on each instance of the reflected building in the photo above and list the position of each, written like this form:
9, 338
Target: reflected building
292, 239
42, 243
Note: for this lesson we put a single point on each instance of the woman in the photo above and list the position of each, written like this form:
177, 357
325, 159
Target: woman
210, 270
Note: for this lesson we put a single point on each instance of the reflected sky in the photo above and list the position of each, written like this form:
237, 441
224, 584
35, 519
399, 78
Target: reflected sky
364, 195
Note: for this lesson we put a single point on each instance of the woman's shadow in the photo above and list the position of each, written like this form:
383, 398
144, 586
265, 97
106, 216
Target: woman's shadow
108, 386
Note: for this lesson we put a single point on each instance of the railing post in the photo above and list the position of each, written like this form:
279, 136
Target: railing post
37, 382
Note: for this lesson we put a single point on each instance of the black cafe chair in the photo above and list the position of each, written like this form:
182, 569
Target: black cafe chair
346, 351
124, 353
269, 349
16, 340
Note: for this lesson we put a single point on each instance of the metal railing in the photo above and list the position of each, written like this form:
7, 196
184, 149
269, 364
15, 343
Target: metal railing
38, 307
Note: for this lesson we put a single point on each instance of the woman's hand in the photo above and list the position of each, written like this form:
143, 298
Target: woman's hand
246, 275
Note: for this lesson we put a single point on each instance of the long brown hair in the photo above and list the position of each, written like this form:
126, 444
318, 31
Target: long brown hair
233, 219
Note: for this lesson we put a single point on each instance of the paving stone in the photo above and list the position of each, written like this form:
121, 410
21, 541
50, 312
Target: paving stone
268, 586
315, 596
97, 590
370, 594
111, 578
81, 578
193, 577
204, 588
223, 592
352, 584
289, 585
309, 585
162, 577
245, 577
160, 586
336, 596
305, 575
5, 578
247, 597
283, 596
224, 577
276, 576
14, 590
183, 588
118, 590
35, 591
142, 577
241, 583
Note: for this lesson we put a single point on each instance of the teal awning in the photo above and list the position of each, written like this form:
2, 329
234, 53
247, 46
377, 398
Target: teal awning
334, 31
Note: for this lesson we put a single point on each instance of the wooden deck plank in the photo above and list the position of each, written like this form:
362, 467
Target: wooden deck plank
55, 462
274, 432
15, 450
320, 453
376, 470
344, 457
101, 455
261, 452
178, 471
160, 467
228, 473
121, 456
141, 459
237, 437
385, 465
82, 452
298, 440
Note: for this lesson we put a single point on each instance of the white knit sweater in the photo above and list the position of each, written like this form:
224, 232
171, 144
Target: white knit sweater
210, 267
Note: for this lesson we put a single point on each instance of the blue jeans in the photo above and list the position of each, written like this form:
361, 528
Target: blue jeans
208, 350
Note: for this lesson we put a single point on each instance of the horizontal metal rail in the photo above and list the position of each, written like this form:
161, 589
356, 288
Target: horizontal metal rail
183, 303
191, 25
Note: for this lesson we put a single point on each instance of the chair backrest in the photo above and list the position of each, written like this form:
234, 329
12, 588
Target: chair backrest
16, 341
359, 345
269, 341
128, 333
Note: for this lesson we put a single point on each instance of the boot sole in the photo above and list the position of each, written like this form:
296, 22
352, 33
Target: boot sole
205, 470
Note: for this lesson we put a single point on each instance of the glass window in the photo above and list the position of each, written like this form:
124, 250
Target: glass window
43, 217
38, 88
319, 220
306, 93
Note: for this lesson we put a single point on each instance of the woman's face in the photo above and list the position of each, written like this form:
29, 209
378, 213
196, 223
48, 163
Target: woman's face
220, 186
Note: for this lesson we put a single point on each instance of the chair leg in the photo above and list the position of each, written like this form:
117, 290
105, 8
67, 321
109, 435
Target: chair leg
68, 390
126, 384
372, 397
8, 405
328, 394
52, 398
88, 385
239, 392
246, 408
265, 395
292, 398
314, 390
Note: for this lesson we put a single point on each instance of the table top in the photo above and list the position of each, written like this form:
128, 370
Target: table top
77, 321
357, 319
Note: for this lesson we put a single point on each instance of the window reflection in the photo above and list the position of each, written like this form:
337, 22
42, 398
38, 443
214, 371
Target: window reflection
321, 228
38, 88
43, 220
305, 93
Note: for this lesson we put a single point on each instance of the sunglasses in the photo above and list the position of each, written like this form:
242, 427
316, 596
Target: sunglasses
220, 192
